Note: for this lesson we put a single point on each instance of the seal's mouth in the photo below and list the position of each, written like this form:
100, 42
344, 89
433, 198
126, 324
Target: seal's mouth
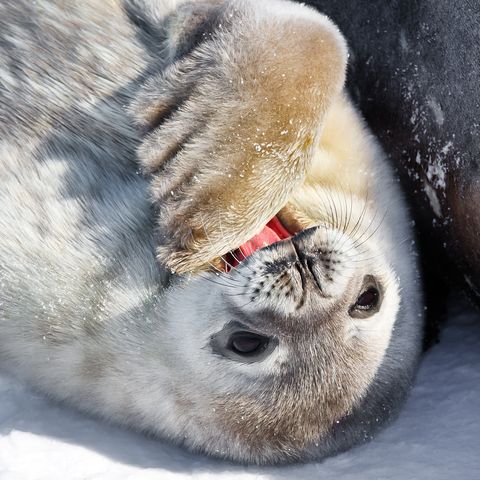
274, 231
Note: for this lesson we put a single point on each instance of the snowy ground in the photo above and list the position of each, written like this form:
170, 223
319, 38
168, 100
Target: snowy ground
436, 437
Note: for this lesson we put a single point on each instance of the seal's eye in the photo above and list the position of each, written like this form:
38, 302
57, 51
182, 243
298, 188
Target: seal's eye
247, 343
238, 343
369, 300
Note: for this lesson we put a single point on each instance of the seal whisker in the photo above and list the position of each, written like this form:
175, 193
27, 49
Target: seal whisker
344, 230
222, 284
360, 217
373, 232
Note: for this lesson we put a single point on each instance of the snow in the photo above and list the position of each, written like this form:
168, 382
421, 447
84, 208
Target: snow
436, 437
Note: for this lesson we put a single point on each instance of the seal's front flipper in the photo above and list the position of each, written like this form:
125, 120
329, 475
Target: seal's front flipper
233, 121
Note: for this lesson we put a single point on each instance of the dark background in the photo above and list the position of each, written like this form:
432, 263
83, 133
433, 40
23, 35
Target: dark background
415, 75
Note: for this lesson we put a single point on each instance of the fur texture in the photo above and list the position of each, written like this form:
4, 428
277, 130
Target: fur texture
89, 316
221, 114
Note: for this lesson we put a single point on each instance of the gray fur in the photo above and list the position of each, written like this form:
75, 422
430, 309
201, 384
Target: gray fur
86, 312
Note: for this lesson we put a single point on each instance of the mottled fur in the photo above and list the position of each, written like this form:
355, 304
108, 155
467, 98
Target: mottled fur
89, 316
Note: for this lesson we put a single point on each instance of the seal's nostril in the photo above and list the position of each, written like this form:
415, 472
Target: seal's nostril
310, 267
306, 261
299, 268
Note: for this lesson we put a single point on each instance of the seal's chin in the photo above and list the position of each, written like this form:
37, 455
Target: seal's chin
274, 231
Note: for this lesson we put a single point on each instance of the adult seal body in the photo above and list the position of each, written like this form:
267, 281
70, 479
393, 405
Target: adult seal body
296, 330
416, 79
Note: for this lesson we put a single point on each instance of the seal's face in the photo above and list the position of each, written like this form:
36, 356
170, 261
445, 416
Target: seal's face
285, 344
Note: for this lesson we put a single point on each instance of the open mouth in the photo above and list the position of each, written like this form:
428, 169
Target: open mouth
274, 231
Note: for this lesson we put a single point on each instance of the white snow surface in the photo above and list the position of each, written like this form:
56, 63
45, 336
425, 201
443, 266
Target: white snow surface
437, 435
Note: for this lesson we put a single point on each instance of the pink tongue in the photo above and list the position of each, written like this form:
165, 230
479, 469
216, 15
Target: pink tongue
273, 232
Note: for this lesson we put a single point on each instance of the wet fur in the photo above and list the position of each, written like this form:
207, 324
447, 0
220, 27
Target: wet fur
86, 314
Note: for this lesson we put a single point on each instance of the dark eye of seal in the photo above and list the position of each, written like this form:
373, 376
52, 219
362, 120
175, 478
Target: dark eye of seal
247, 343
238, 343
369, 300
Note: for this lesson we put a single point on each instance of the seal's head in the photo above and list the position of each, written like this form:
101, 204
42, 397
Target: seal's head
278, 350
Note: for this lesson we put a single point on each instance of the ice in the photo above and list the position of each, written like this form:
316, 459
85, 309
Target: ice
436, 437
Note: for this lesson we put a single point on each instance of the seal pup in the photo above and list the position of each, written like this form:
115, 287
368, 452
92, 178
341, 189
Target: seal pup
298, 351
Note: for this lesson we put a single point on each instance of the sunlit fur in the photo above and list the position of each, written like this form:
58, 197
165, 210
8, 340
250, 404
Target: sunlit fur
88, 315
243, 106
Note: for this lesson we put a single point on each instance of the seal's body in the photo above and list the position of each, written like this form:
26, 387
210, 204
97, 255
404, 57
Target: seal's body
298, 351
